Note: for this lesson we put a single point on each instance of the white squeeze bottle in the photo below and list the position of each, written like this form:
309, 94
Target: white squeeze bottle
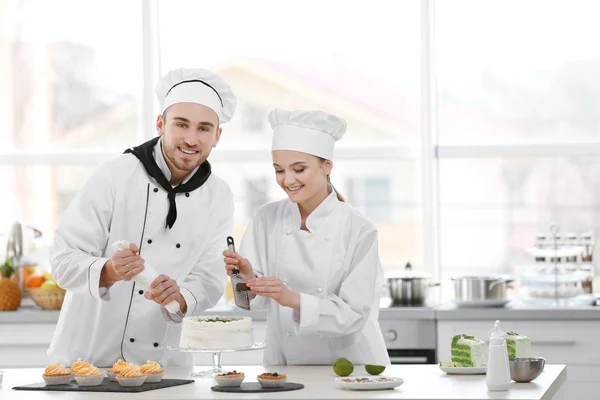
498, 369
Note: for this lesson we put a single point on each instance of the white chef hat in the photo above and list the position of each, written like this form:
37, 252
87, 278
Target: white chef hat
198, 86
311, 132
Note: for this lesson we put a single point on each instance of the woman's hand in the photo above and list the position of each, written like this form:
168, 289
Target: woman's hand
233, 259
275, 289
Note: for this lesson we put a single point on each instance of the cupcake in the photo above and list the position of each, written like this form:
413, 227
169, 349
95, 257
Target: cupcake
79, 364
88, 375
153, 371
114, 371
131, 376
271, 380
230, 378
57, 374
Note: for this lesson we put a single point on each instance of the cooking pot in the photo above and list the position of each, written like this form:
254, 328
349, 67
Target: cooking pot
478, 289
409, 288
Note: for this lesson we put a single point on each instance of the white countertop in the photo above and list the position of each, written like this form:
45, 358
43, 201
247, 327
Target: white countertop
422, 382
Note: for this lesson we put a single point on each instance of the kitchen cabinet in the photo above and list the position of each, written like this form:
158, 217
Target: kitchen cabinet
570, 342
25, 345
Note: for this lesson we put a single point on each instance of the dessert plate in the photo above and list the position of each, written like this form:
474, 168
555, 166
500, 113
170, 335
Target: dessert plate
464, 370
368, 382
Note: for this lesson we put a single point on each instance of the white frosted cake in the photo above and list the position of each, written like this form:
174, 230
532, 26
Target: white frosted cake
216, 332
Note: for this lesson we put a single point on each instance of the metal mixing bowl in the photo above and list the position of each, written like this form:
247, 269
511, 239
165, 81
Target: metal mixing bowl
526, 369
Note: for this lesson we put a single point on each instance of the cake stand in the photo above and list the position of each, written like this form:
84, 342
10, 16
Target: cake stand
216, 353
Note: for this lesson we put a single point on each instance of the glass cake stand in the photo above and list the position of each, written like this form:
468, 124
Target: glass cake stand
216, 353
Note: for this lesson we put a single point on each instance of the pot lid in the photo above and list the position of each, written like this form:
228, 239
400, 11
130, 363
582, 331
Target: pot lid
408, 274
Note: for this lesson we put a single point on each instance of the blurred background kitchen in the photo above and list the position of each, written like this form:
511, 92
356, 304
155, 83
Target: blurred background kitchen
473, 125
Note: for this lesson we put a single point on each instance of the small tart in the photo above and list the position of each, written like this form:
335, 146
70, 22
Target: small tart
232, 374
57, 369
272, 376
151, 367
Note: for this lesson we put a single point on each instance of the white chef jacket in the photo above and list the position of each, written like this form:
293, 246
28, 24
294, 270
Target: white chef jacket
336, 269
121, 201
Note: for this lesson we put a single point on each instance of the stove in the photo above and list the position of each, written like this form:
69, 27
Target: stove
409, 333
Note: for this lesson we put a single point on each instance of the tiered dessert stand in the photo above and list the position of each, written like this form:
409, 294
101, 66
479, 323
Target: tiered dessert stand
216, 353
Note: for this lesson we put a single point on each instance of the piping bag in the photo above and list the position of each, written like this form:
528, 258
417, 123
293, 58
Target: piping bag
146, 277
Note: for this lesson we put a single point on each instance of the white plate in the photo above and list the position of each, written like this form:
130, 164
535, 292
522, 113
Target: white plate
389, 383
482, 303
464, 370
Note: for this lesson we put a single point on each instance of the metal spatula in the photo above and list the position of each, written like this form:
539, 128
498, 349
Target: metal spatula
240, 290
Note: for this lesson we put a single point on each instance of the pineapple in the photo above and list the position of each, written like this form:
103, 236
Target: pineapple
10, 292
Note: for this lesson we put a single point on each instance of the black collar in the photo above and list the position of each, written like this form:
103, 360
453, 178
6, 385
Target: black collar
145, 153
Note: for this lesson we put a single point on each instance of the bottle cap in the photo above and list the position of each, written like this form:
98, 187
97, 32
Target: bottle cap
496, 334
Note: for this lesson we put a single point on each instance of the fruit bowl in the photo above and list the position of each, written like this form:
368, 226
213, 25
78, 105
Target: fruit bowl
47, 298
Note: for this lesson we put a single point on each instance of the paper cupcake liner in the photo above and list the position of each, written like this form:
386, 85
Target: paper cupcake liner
153, 378
57, 379
229, 382
266, 383
137, 381
89, 380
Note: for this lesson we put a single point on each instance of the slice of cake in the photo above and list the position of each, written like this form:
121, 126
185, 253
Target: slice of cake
216, 333
468, 351
519, 346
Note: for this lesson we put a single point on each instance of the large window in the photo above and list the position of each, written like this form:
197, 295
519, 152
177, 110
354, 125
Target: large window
335, 59
70, 86
510, 143
518, 71
519, 130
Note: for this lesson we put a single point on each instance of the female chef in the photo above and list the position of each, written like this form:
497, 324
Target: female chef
311, 260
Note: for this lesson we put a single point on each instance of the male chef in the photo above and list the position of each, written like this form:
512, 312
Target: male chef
163, 199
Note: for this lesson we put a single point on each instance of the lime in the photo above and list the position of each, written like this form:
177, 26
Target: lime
343, 367
374, 369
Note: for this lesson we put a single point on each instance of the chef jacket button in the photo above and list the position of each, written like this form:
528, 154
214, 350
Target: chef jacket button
288, 232
320, 290
155, 344
326, 237
155, 190
178, 245
149, 241
132, 340
187, 195
141, 292
289, 334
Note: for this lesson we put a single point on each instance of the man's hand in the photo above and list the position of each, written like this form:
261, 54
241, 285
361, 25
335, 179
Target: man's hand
123, 266
164, 291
